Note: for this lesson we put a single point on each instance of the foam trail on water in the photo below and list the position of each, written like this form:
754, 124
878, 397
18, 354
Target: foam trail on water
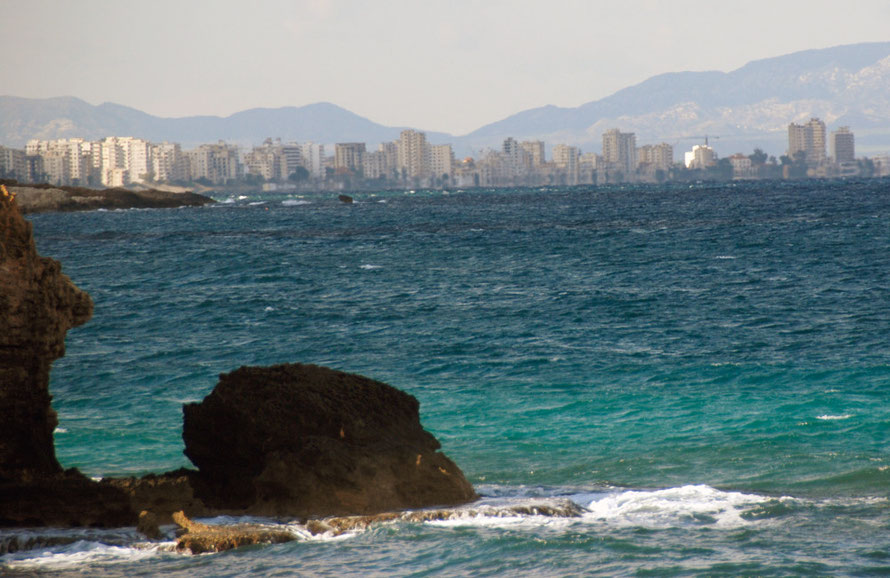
681, 506
85, 553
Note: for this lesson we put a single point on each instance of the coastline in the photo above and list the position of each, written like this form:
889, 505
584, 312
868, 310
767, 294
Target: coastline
47, 198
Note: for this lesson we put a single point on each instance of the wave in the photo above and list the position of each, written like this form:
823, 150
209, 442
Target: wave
834, 417
295, 202
690, 506
681, 506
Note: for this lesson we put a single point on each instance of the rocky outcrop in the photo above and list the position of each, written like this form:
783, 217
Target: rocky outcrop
38, 304
41, 199
302, 440
289, 440
200, 538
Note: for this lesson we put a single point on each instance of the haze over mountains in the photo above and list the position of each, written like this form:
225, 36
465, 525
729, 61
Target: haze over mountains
749, 107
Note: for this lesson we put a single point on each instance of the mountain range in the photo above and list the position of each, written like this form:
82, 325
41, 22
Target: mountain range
746, 108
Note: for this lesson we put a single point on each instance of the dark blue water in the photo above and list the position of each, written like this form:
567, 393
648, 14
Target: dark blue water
706, 369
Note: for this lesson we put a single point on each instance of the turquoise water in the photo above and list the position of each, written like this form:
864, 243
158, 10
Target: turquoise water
705, 369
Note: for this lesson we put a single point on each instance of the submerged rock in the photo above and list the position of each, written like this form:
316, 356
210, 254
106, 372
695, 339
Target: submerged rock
303, 440
200, 538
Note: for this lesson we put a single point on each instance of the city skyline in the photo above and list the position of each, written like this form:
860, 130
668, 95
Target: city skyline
411, 161
438, 67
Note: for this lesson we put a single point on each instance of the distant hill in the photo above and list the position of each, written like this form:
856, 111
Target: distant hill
22, 119
749, 107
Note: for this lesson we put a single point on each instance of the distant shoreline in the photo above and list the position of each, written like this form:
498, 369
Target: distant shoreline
43, 198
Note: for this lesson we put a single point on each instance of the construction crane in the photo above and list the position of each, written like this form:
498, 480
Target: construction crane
705, 137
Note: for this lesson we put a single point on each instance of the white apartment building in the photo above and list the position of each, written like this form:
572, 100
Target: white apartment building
700, 157
168, 163
657, 157
313, 158
441, 161
620, 150
65, 161
217, 163
842, 144
535, 150
349, 156
12, 163
414, 154
566, 158
125, 158
808, 138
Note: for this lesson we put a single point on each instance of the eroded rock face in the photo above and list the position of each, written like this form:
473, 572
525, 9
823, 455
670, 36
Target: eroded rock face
303, 440
38, 304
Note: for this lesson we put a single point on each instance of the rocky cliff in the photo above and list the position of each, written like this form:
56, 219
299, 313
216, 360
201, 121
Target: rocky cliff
38, 305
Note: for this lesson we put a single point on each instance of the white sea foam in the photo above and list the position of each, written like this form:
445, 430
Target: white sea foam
682, 506
84, 553
295, 202
59, 430
724, 257
369, 267
483, 521
834, 417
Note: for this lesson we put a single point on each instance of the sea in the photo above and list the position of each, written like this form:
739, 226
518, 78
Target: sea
703, 368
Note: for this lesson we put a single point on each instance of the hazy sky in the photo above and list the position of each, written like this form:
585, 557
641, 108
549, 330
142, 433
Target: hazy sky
445, 65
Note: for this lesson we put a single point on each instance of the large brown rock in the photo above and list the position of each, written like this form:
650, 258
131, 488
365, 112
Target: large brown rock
302, 440
38, 304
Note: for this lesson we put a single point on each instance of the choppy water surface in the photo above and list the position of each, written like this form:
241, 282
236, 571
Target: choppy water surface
705, 370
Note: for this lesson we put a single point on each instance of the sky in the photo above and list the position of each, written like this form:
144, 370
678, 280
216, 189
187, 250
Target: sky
436, 65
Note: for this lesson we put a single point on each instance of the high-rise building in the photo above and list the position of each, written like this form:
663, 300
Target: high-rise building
441, 161
313, 158
414, 154
808, 138
291, 158
700, 157
620, 150
349, 156
12, 163
660, 156
265, 161
518, 160
566, 158
67, 161
535, 151
842, 145
217, 163
167, 162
